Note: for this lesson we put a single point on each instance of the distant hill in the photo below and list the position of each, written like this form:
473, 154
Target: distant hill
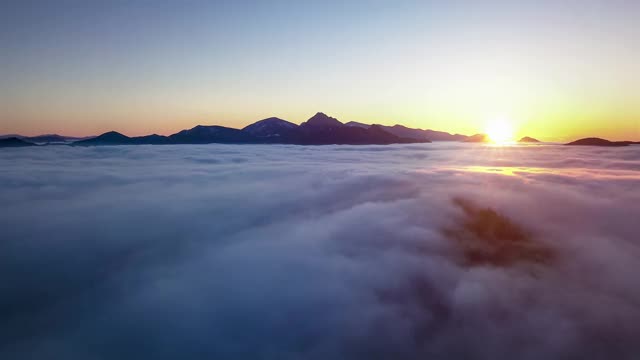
593, 141
444, 136
153, 139
430, 135
14, 142
108, 138
6, 136
527, 139
116, 138
271, 129
45, 139
418, 134
477, 138
322, 129
202, 134
405, 132
51, 138
358, 124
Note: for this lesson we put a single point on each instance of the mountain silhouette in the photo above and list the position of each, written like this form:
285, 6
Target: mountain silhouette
593, 141
153, 139
14, 142
411, 133
211, 134
6, 136
271, 129
45, 139
477, 138
108, 138
321, 120
116, 138
320, 129
430, 135
357, 124
527, 139
49, 138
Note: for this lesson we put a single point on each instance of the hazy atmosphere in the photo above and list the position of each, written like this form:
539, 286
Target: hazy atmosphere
558, 69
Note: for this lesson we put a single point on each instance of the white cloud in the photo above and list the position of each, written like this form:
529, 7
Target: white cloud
288, 252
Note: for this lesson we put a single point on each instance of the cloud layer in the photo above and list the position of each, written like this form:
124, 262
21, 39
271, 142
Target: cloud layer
456, 251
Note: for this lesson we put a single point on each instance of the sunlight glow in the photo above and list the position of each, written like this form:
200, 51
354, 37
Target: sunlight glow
500, 131
523, 171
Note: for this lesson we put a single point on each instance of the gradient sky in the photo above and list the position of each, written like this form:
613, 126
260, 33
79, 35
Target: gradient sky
557, 69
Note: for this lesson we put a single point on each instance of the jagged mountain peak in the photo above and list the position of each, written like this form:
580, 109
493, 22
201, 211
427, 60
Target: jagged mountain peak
322, 119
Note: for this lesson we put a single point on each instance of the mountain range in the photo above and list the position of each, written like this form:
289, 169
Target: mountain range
14, 142
320, 129
409, 133
45, 139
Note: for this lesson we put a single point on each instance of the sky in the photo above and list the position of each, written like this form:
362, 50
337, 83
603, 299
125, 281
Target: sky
557, 70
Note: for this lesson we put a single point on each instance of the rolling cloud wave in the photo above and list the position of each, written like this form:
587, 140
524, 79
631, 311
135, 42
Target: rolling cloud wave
454, 251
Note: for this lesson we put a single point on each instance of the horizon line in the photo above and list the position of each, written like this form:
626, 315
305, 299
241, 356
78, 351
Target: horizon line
167, 134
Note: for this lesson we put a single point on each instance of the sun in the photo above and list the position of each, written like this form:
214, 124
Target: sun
500, 131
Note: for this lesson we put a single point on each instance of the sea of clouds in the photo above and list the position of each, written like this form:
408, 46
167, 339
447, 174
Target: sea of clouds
429, 251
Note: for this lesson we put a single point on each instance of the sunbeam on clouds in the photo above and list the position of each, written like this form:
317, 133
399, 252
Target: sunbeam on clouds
438, 251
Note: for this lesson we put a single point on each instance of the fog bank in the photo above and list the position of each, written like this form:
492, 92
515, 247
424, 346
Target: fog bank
439, 251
